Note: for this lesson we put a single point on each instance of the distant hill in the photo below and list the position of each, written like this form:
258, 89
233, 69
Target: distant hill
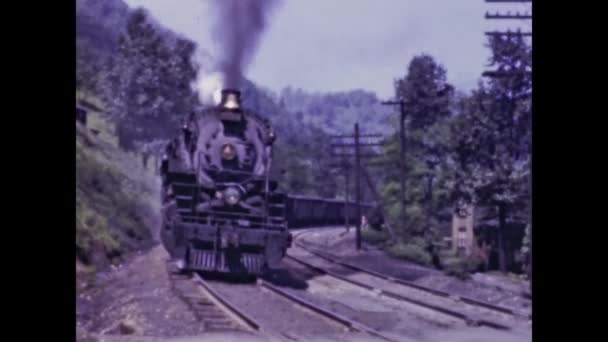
338, 111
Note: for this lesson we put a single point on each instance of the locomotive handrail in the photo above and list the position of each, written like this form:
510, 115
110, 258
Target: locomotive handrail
228, 213
191, 219
329, 200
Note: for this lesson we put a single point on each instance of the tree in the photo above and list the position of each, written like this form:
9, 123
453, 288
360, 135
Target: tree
428, 97
526, 251
426, 92
88, 64
148, 88
494, 139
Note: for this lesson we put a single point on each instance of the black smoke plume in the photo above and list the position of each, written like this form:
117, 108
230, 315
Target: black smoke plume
238, 27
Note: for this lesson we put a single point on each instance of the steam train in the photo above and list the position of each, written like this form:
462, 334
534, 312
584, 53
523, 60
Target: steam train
221, 212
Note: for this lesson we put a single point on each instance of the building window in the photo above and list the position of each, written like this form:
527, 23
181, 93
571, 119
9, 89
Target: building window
461, 239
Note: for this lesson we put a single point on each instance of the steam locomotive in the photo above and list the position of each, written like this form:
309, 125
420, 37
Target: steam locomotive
221, 211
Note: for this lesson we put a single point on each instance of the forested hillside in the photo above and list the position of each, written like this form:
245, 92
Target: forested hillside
337, 112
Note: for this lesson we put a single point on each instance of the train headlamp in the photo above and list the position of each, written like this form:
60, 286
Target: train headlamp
232, 102
228, 152
232, 196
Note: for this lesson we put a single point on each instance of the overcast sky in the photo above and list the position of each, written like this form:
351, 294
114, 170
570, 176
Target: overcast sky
335, 45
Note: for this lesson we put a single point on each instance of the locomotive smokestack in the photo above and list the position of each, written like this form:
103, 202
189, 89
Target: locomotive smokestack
231, 99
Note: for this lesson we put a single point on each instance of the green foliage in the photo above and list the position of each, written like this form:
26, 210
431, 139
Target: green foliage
414, 251
461, 267
426, 92
493, 137
98, 25
374, 236
428, 98
148, 85
116, 201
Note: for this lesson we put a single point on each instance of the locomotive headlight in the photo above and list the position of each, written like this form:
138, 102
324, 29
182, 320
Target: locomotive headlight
231, 102
228, 152
232, 196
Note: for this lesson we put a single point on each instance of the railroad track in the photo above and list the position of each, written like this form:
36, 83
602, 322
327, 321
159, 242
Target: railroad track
224, 307
348, 323
216, 315
471, 311
337, 261
285, 314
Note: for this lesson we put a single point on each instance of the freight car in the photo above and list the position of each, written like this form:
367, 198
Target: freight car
304, 211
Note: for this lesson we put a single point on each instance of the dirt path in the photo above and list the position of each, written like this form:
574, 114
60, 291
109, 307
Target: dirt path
137, 302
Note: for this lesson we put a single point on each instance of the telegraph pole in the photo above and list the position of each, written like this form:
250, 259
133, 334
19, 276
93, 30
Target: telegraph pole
356, 144
372, 188
401, 104
507, 74
358, 184
346, 186
508, 33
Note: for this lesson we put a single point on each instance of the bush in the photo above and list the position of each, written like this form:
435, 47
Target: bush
412, 251
461, 267
374, 236
456, 267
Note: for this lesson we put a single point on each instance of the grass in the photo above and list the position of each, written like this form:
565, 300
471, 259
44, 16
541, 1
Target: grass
116, 199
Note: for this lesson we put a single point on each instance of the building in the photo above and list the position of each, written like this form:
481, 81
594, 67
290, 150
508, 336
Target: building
463, 238
475, 233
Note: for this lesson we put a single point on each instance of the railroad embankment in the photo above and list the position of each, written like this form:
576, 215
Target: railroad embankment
116, 199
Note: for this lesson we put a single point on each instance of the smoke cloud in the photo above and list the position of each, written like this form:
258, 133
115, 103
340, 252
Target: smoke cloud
238, 27
210, 88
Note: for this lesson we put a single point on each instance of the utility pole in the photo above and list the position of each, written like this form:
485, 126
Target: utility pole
401, 104
374, 192
507, 74
346, 187
509, 16
356, 144
358, 184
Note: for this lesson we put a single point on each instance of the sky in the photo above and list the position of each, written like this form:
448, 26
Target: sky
339, 45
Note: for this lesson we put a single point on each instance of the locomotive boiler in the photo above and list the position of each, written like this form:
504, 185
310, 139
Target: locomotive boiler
221, 211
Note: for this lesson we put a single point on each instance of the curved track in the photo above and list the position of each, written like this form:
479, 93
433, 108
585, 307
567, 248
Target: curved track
471, 311
316, 294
